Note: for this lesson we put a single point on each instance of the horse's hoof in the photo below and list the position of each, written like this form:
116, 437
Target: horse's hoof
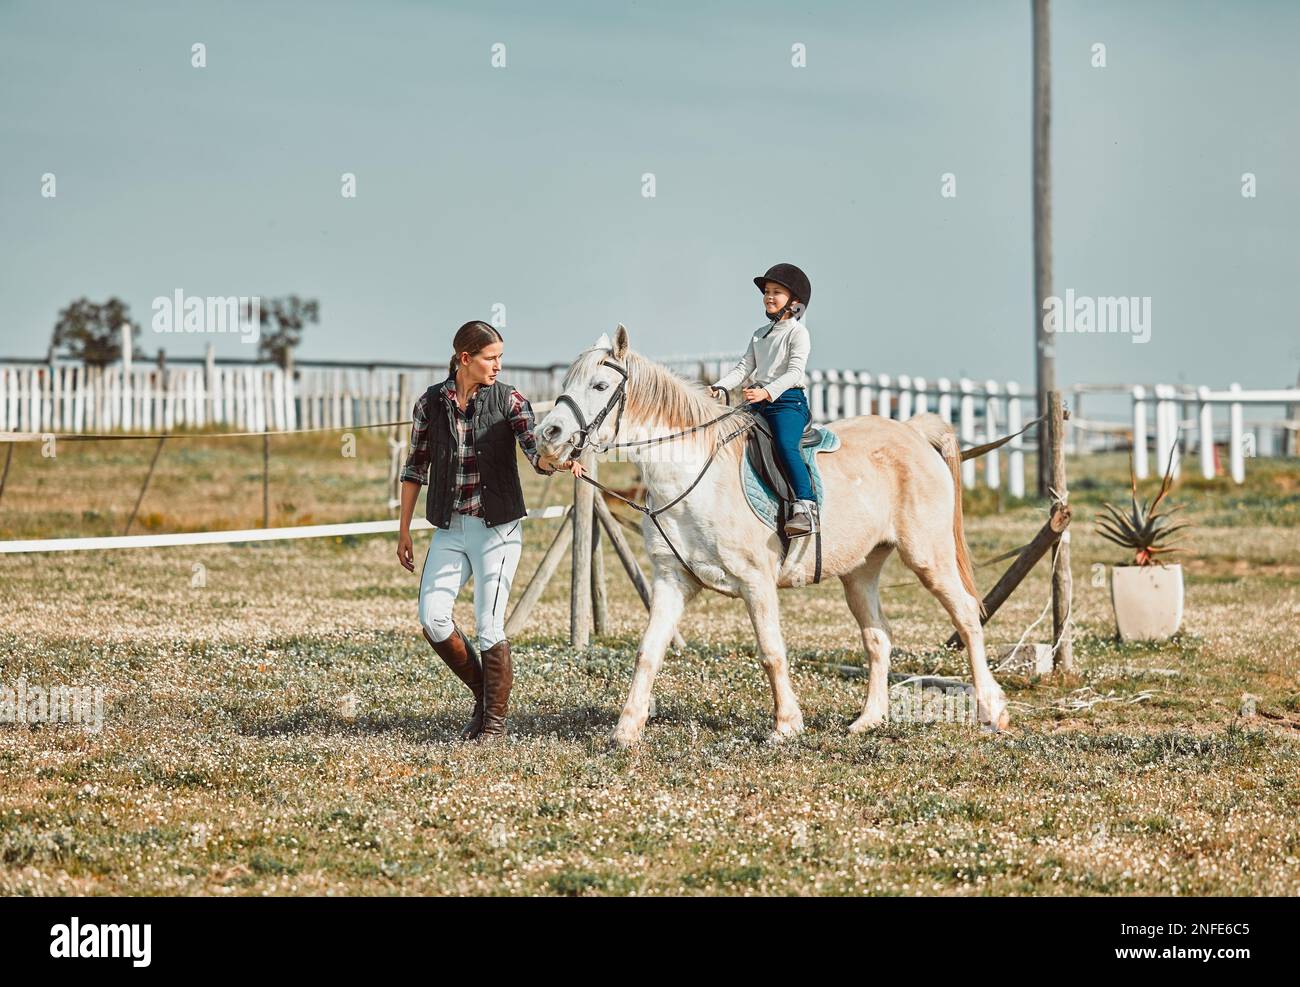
622, 740
784, 732
864, 723
999, 719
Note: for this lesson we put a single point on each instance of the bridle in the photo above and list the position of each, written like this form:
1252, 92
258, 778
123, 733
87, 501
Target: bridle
619, 397
587, 429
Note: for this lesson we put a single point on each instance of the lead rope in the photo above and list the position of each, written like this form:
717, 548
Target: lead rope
653, 513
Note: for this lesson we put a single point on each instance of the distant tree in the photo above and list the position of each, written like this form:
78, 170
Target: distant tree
92, 334
283, 320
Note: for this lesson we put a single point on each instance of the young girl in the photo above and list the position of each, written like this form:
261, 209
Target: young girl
463, 438
772, 370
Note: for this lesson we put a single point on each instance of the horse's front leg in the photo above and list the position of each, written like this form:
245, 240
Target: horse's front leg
765, 612
669, 594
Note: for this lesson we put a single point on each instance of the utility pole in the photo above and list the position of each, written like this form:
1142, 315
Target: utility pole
1044, 348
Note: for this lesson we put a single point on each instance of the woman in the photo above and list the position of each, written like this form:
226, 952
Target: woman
463, 437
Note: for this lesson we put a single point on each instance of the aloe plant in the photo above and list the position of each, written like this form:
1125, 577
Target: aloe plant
1146, 528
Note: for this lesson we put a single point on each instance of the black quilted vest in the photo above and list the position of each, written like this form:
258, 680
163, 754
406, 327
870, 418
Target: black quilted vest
494, 448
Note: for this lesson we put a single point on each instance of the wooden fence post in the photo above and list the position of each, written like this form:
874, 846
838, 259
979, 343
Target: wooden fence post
396, 444
1063, 650
630, 565
266, 480
580, 585
599, 603
545, 570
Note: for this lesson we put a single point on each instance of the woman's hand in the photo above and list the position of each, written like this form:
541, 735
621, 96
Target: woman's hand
549, 462
718, 393
756, 394
405, 550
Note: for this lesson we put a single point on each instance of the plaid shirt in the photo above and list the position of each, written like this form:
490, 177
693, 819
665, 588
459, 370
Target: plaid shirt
467, 498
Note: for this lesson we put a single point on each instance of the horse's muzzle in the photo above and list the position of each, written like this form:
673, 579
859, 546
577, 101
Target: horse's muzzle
553, 437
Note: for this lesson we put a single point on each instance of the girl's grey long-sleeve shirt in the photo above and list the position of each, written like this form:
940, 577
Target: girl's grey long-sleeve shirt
774, 360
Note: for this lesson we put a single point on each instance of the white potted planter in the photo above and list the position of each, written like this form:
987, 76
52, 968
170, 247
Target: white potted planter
1148, 600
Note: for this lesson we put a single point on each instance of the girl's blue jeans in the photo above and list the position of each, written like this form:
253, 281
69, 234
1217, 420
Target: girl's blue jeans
787, 416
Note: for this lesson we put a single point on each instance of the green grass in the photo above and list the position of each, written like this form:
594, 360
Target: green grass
281, 726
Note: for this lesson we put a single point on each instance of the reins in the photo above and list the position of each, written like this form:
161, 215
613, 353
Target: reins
585, 431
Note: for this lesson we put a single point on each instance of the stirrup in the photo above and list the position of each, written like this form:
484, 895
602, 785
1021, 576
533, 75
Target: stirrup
813, 522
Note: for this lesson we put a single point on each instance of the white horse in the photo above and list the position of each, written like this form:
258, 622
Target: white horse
890, 485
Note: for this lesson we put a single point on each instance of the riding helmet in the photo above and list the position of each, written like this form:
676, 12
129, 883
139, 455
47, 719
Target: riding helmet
791, 279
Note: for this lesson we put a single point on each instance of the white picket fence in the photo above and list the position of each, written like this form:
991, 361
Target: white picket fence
1175, 430
74, 398
62, 397
67, 398
981, 412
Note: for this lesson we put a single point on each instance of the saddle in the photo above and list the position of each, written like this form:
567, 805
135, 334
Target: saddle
767, 490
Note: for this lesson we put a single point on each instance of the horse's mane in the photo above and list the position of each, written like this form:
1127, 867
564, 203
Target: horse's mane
657, 396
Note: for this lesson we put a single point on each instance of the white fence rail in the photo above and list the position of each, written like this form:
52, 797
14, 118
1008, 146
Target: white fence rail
1202, 420
1176, 431
980, 411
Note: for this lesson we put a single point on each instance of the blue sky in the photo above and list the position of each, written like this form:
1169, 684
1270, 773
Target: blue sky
522, 186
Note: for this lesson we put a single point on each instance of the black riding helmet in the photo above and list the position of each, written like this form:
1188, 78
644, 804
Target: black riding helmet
792, 280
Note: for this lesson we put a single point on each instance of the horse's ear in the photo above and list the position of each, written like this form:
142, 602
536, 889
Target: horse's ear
603, 343
620, 342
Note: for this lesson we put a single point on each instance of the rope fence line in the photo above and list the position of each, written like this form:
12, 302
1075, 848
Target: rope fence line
17, 437
125, 436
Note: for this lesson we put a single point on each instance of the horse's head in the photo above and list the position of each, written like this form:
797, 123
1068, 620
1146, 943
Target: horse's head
590, 406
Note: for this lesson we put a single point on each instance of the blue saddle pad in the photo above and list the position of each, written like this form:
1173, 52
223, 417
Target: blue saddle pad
762, 500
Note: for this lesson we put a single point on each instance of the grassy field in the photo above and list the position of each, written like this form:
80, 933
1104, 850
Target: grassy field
276, 724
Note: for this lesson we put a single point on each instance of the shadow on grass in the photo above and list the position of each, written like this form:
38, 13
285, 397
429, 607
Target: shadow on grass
443, 725
419, 726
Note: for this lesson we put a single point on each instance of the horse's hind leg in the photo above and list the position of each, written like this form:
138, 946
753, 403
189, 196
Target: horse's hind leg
936, 566
765, 612
862, 590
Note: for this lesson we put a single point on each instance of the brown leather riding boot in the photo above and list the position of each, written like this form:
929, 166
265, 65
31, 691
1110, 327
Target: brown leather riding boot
459, 655
498, 677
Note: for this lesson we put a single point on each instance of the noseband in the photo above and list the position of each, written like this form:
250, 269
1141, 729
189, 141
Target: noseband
587, 429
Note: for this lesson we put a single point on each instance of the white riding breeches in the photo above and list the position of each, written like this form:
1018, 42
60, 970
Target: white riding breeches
469, 547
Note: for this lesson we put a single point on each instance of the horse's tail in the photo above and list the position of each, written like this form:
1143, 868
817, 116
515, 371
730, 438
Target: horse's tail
941, 436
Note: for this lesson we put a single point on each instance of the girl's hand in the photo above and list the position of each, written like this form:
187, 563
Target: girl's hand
405, 550
574, 467
755, 394
718, 393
